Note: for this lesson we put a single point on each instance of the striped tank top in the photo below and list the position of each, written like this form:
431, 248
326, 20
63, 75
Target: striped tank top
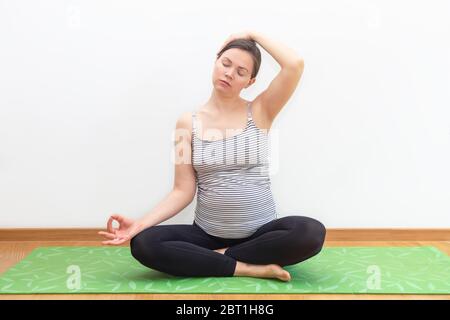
234, 196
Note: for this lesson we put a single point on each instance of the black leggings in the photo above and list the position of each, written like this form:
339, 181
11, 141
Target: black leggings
187, 250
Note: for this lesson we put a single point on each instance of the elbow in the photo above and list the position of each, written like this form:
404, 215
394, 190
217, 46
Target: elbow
187, 194
297, 64
300, 63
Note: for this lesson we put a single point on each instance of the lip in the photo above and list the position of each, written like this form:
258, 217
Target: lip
225, 83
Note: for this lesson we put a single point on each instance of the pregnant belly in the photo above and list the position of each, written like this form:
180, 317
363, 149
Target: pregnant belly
235, 198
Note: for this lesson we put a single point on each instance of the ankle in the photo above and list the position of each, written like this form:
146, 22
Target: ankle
247, 269
242, 269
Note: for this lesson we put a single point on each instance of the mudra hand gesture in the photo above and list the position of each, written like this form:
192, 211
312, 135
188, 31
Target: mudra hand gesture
128, 228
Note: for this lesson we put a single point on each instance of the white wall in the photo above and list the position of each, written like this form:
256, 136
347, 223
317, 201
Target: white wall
90, 92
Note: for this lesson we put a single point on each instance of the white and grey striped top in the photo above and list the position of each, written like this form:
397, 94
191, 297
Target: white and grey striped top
234, 196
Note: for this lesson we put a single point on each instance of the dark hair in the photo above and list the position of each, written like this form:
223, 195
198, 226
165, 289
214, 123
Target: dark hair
250, 47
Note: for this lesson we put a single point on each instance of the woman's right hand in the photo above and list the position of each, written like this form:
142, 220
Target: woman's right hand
128, 228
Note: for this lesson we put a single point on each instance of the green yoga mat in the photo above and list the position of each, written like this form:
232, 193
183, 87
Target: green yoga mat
384, 270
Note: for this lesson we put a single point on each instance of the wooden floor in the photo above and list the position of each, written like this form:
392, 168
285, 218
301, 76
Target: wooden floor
11, 252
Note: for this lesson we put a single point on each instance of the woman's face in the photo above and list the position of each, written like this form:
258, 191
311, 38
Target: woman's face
235, 67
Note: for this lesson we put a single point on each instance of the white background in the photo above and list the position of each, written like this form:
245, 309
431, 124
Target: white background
90, 92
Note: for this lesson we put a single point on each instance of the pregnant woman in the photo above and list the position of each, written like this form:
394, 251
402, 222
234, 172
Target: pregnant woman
222, 156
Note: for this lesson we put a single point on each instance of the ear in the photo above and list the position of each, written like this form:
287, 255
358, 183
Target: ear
252, 81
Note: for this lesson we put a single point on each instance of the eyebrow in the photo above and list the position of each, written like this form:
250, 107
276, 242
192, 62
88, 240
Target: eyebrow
239, 66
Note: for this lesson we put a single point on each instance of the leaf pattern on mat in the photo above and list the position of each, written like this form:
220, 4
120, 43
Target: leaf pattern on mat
410, 270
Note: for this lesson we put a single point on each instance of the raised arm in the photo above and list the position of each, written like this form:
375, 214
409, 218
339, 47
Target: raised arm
283, 85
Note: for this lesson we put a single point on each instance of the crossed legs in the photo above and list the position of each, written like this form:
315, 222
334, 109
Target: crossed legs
186, 250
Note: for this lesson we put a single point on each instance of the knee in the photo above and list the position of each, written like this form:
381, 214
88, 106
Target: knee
317, 233
137, 246
320, 234
141, 248
310, 232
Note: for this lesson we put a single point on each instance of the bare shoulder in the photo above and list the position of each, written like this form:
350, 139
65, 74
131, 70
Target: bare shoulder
184, 126
184, 121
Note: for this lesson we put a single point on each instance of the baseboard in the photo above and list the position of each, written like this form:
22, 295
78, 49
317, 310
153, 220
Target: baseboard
333, 234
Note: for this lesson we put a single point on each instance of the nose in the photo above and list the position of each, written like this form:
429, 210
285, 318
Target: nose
227, 75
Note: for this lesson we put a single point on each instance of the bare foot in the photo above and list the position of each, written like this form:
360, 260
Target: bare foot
261, 271
279, 272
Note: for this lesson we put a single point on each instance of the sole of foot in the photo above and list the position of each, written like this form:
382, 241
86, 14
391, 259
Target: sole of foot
279, 272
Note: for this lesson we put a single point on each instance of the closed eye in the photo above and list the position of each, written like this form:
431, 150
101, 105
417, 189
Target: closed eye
226, 65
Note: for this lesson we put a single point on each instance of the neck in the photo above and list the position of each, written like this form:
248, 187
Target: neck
223, 104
